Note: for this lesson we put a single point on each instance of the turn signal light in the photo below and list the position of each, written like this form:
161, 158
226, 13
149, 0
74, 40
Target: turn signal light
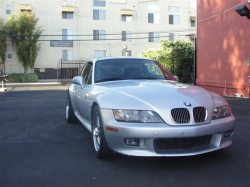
111, 129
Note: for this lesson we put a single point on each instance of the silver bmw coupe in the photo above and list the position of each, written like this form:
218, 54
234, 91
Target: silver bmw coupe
134, 106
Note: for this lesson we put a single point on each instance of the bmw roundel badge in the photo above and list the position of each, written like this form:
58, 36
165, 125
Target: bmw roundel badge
187, 103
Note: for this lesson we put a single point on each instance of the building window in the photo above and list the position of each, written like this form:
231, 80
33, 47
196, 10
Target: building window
153, 7
9, 53
67, 15
67, 34
153, 18
25, 8
173, 9
8, 9
192, 23
100, 3
67, 55
99, 53
126, 53
127, 36
29, 11
99, 34
153, 37
99, 14
174, 20
126, 18
173, 37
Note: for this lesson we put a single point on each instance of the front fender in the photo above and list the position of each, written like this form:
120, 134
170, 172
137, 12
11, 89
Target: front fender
71, 93
218, 99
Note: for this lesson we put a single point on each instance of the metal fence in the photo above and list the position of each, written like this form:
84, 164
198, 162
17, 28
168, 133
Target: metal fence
64, 72
46, 73
68, 69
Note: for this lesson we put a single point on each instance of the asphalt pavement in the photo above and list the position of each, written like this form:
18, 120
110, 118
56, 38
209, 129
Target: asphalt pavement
39, 148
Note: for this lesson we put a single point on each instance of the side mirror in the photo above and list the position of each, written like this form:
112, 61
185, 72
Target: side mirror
78, 80
176, 78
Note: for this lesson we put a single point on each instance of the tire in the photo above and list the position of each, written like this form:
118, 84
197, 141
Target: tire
70, 115
100, 145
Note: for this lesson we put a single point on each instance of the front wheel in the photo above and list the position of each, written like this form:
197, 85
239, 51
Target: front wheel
101, 148
70, 115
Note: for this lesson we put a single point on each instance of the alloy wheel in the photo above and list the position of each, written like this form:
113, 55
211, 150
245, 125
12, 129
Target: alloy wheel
97, 134
67, 108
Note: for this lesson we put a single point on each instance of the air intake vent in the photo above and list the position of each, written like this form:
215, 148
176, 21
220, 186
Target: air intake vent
200, 114
164, 145
180, 115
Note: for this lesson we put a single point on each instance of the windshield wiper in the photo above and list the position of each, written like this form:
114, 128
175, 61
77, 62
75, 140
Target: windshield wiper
153, 78
109, 79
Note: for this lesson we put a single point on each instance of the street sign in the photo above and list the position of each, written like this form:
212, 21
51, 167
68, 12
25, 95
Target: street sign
61, 43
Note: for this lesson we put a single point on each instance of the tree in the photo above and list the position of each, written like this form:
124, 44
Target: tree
24, 38
3, 45
175, 56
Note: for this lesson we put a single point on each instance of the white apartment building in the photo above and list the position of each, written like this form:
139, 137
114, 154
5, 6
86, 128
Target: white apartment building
83, 29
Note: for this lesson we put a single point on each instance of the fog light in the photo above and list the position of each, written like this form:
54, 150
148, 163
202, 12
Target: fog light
132, 141
228, 134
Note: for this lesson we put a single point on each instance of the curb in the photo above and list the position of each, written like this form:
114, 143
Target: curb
33, 83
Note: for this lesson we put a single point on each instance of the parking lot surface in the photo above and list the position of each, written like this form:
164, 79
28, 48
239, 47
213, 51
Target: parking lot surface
39, 148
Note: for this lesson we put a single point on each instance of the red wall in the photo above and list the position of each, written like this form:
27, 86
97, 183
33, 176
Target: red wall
223, 46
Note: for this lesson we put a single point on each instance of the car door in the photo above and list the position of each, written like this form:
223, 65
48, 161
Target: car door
82, 95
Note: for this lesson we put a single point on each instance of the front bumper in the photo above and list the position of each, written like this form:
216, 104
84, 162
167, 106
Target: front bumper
148, 132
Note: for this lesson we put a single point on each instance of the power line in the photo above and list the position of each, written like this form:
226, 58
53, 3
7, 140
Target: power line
110, 39
221, 13
113, 34
218, 7
119, 44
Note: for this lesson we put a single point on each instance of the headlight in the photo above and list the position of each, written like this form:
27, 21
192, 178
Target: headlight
221, 112
137, 116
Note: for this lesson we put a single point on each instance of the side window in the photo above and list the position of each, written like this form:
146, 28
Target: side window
89, 81
87, 70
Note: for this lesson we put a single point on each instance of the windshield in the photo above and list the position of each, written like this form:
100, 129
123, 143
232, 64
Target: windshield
124, 69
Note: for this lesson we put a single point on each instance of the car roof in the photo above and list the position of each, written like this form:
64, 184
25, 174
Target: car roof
122, 57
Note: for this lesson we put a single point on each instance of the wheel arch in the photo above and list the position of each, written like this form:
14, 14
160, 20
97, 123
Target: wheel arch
105, 152
93, 106
71, 96
95, 103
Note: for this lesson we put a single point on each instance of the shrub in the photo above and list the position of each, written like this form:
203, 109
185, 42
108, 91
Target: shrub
22, 77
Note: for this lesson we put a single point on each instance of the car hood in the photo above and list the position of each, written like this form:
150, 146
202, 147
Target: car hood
157, 95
